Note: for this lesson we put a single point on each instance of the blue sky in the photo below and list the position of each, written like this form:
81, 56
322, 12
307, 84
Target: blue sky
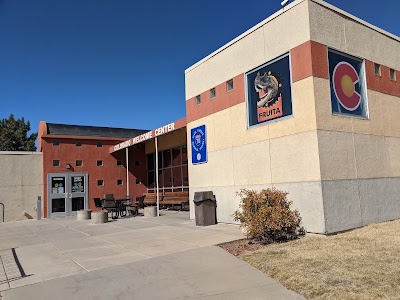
121, 63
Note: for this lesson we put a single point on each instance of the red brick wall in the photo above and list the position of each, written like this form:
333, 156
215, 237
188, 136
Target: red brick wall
89, 153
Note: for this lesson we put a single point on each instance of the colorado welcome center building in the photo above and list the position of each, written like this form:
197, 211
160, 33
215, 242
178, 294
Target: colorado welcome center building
307, 101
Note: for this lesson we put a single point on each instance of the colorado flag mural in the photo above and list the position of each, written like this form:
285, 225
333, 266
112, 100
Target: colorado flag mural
347, 83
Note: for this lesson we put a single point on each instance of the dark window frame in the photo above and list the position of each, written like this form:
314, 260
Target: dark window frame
213, 93
198, 100
230, 85
392, 75
377, 70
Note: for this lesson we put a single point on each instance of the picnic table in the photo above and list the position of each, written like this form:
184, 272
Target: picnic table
119, 207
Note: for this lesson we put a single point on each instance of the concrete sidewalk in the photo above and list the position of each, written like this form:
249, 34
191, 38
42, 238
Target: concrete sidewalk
145, 258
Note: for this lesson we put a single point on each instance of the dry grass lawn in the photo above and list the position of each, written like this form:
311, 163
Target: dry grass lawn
359, 264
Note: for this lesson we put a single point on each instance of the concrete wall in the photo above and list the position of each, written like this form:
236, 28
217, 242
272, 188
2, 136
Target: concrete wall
20, 183
359, 158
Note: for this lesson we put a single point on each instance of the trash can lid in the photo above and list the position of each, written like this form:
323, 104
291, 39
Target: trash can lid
202, 196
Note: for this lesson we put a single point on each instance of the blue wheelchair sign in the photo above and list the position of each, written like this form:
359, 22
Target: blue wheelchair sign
199, 145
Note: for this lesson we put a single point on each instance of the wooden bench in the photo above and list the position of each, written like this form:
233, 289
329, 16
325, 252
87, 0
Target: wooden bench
176, 198
151, 198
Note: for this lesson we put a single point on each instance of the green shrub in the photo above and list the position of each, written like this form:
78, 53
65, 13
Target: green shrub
266, 216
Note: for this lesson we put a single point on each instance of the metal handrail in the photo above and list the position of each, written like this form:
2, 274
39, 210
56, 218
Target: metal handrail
3, 210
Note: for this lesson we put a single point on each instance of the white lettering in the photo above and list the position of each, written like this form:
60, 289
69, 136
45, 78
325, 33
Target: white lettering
145, 136
164, 129
122, 145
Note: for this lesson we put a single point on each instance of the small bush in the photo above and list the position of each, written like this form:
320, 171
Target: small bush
266, 216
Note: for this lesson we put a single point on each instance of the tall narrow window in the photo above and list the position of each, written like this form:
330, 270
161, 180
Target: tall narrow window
392, 75
229, 85
213, 93
78, 163
99, 163
99, 145
377, 68
198, 100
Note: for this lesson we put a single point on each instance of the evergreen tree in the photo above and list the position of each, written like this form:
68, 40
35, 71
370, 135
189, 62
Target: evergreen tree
14, 135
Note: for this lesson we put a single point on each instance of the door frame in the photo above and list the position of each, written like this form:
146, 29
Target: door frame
68, 194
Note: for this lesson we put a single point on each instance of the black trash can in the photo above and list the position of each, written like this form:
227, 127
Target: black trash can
205, 208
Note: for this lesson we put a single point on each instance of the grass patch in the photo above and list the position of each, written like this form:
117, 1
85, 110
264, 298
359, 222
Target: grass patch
359, 264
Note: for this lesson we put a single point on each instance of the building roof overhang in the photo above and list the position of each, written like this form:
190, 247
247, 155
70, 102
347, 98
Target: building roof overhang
149, 135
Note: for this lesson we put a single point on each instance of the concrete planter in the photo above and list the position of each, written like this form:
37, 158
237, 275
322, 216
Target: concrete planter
150, 211
83, 215
99, 217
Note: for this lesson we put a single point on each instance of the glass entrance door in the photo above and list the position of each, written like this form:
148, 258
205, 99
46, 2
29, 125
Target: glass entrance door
67, 193
77, 193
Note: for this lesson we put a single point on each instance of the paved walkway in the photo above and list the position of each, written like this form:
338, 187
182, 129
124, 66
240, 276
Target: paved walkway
141, 258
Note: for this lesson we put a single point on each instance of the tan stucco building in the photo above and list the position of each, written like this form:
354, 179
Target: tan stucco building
335, 148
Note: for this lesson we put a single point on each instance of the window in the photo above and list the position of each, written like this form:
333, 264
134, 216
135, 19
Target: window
138, 181
198, 100
172, 170
392, 75
99, 163
78, 163
56, 163
78, 143
377, 69
56, 143
100, 182
213, 93
119, 162
229, 85
119, 182
99, 145
184, 155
